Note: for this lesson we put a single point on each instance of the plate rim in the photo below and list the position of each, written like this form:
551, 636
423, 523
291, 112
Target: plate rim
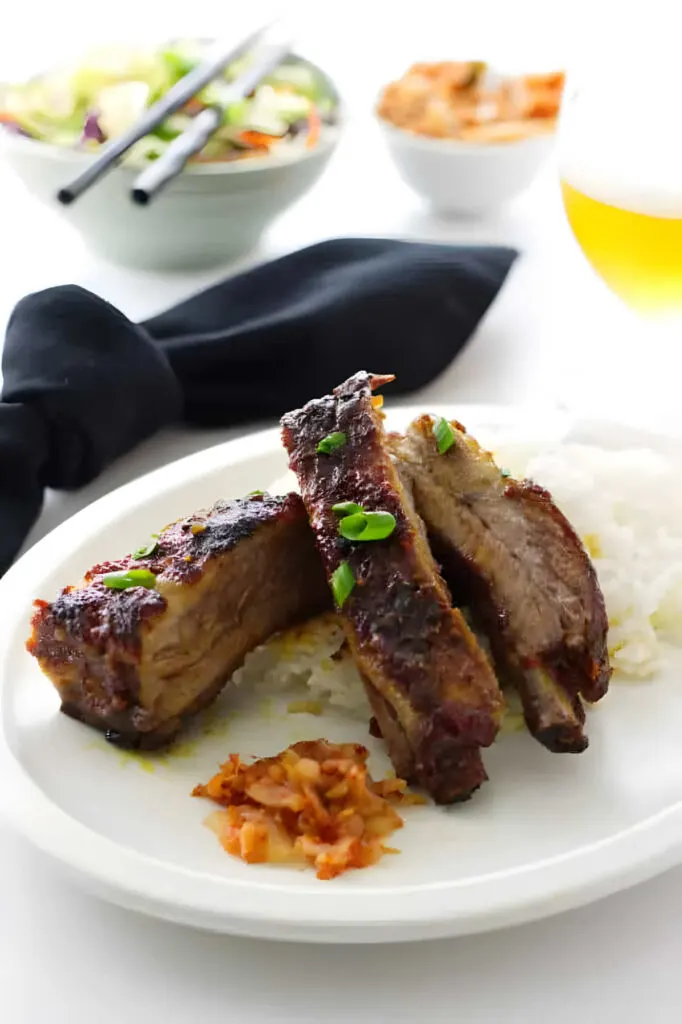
338, 913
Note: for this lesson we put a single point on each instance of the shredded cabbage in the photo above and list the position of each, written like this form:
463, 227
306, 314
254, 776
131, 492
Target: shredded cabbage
104, 94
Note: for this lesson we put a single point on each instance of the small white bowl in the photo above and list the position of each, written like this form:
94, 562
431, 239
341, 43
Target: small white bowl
210, 214
465, 177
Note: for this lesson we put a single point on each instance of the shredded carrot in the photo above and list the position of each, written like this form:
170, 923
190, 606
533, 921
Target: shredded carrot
192, 106
314, 128
259, 139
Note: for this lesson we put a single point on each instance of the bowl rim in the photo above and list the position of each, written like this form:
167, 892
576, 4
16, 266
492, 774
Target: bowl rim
328, 140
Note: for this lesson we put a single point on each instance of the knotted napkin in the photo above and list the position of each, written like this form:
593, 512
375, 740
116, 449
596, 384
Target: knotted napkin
83, 384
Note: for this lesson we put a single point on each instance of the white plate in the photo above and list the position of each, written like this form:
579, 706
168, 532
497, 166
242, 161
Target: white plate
545, 834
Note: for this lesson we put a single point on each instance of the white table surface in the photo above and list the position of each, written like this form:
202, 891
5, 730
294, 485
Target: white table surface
553, 336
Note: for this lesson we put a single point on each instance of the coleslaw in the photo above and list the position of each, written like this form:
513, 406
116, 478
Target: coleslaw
85, 105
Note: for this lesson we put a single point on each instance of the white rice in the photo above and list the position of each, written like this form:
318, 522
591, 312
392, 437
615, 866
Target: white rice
313, 655
627, 508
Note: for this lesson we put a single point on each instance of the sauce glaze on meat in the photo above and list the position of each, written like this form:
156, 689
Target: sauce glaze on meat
137, 663
431, 686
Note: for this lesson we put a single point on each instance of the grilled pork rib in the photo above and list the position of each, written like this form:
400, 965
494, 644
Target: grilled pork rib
509, 553
137, 663
431, 686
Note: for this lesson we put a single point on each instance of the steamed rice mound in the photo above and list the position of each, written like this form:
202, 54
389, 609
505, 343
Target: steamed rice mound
314, 655
627, 508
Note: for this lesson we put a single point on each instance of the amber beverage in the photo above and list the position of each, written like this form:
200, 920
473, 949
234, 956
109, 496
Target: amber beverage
620, 164
639, 255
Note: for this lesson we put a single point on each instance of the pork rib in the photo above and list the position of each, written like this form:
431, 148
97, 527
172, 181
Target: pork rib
431, 686
137, 663
509, 553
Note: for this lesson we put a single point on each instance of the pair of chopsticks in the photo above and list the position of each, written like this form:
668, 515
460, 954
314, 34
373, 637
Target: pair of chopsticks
202, 126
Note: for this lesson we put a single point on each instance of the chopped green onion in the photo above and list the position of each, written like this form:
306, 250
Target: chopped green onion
125, 578
347, 508
343, 583
253, 494
147, 549
351, 527
444, 435
379, 526
331, 442
504, 473
367, 526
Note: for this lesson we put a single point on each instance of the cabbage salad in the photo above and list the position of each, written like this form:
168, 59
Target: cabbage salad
85, 105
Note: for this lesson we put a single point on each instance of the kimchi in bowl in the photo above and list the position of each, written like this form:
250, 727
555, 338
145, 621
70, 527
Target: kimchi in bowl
465, 138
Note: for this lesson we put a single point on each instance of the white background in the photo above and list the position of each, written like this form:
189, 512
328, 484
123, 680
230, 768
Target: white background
554, 336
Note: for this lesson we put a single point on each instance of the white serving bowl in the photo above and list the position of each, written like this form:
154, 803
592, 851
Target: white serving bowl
210, 214
465, 177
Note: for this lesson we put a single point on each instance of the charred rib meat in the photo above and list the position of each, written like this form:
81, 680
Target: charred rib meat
138, 662
509, 554
431, 687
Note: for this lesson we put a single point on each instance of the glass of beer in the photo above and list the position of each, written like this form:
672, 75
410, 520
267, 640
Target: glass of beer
620, 164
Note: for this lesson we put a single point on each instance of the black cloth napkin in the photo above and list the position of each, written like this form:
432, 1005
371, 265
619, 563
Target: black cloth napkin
83, 384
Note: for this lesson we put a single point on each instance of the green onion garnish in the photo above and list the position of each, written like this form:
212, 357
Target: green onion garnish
444, 435
331, 442
367, 526
253, 494
504, 473
347, 508
351, 527
148, 549
125, 578
343, 583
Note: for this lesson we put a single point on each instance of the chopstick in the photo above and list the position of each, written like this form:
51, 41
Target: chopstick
175, 98
196, 135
